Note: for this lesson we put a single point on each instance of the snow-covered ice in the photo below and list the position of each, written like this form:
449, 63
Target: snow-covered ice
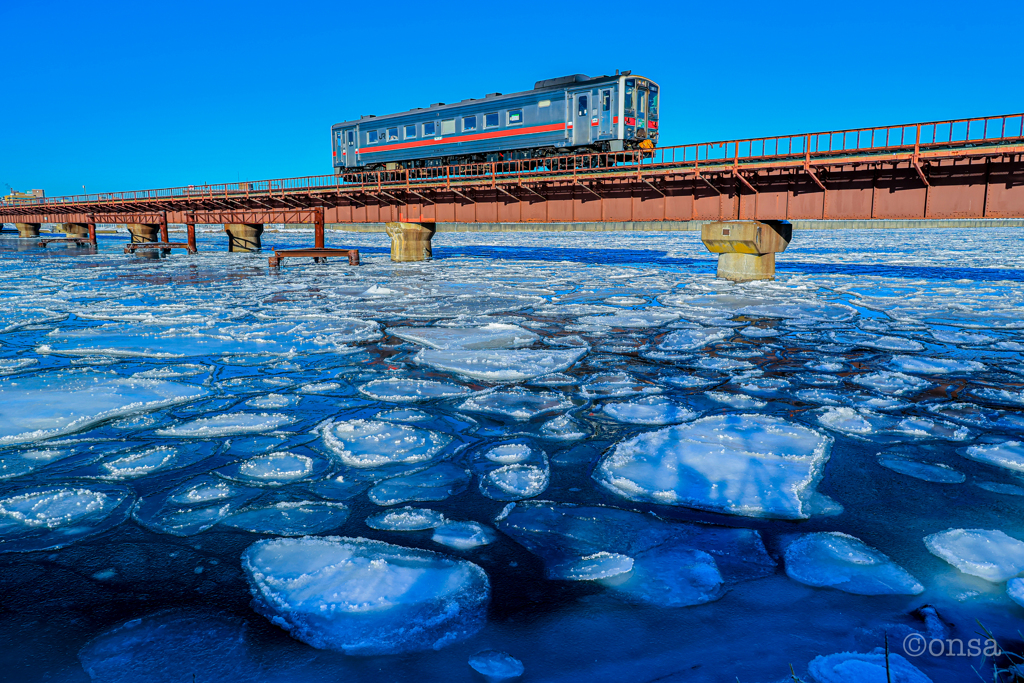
987, 553
754, 465
54, 403
838, 560
490, 336
653, 410
406, 519
517, 403
501, 365
365, 597
411, 390
228, 424
463, 535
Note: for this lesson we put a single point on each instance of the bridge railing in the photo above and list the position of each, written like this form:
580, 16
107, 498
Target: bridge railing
957, 133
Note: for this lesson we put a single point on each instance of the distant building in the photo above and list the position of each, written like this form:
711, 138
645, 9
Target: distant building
31, 194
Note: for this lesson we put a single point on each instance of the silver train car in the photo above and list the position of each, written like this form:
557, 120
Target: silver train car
560, 116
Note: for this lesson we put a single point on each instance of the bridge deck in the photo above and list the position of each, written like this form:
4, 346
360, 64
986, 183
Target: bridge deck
969, 168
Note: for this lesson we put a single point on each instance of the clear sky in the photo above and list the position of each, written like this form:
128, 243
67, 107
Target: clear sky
137, 95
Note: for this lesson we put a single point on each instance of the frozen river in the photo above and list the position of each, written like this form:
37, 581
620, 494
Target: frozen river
578, 449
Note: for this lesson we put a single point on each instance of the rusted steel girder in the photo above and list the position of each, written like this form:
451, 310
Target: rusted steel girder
971, 168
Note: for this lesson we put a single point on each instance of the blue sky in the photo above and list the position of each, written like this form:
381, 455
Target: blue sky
136, 95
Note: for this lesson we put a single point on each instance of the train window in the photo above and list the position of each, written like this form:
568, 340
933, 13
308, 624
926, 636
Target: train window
652, 105
629, 96
428, 129
392, 133
544, 103
515, 116
468, 123
371, 137
606, 100
351, 137
447, 126
410, 131
582, 101
491, 120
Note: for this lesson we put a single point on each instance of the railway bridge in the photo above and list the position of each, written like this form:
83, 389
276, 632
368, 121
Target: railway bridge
749, 189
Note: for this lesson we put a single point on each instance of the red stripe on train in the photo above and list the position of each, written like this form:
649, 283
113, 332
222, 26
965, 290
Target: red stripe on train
374, 149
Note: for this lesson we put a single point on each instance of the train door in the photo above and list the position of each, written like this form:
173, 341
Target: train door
605, 112
351, 136
581, 118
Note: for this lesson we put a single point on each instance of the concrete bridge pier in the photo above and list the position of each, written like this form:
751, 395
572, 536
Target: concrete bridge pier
28, 229
746, 249
244, 237
410, 241
75, 229
143, 232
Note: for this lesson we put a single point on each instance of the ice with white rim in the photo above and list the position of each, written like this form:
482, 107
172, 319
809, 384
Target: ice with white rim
22, 462
895, 383
406, 519
439, 482
146, 461
614, 385
411, 390
55, 403
228, 424
652, 410
752, 465
271, 401
367, 444
191, 507
926, 365
1008, 455
496, 666
562, 428
501, 365
837, 560
936, 473
517, 403
463, 535
866, 423
490, 336
43, 518
633, 319
876, 666
989, 554
290, 518
275, 469
737, 401
692, 340
9, 366
515, 482
1001, 396
365, 597
1015, 589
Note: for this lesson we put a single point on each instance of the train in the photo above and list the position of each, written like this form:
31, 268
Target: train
563, 116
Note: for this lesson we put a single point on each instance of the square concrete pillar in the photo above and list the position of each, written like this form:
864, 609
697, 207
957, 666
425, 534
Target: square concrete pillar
244, 237
746, 249
143, 232
28, 229
411, 241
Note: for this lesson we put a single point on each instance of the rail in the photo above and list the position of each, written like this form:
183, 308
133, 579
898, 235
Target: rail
914, 138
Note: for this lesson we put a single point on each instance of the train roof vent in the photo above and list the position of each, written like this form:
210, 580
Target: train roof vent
564, 80
469, 99
367, 116
437, 104
492, 94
